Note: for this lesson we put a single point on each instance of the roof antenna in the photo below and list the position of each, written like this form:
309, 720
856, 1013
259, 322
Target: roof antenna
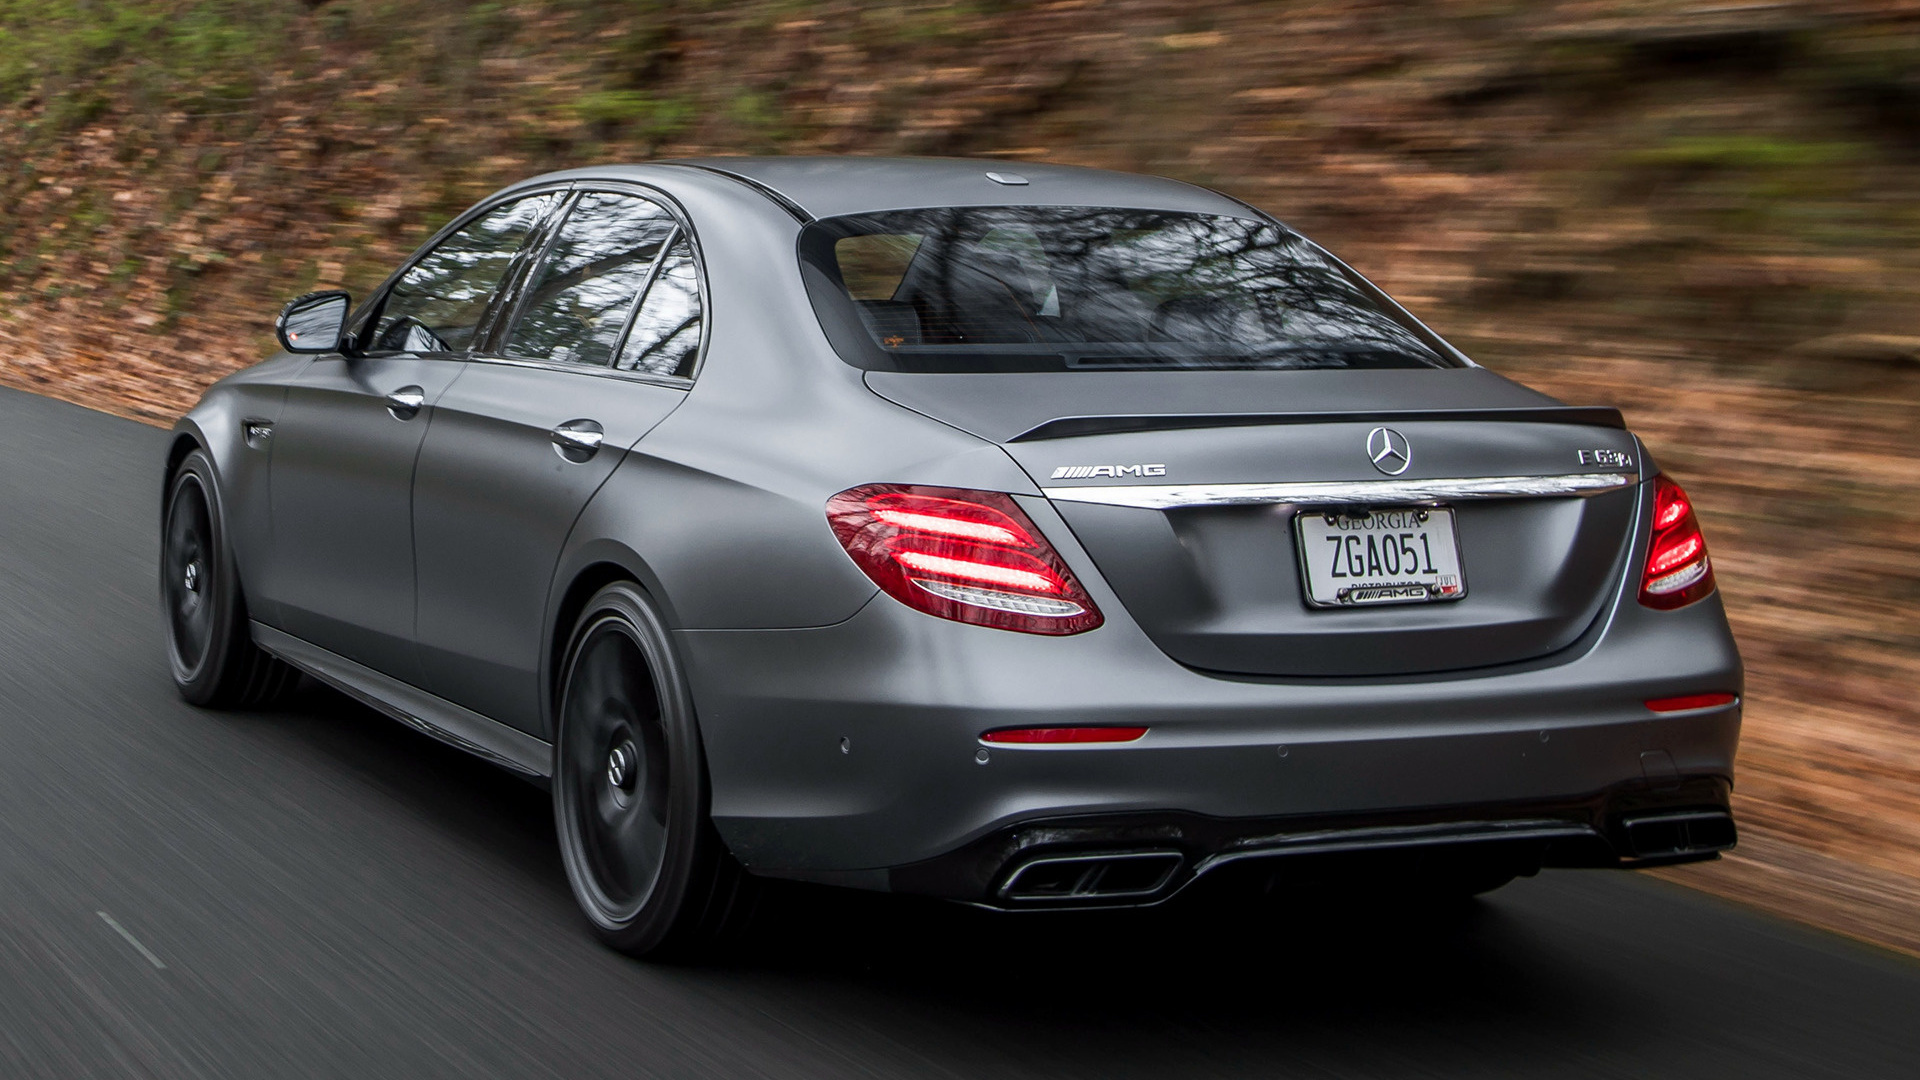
1007, 178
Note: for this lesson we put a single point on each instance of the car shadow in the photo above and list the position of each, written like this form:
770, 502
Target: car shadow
500, 814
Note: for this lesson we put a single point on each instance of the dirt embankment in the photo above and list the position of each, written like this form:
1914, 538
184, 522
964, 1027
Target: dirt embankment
1703, 214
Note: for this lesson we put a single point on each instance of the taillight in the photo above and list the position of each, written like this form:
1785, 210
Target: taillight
1688, 702
1062, 736
1678, 571
971, 556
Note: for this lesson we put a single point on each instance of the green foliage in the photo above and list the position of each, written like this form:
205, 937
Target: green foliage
490, 24
1736, 151
920, 23
758, 116
190, 54
649, 115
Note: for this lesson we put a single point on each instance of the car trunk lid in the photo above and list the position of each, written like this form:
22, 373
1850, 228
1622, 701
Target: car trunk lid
1187, 505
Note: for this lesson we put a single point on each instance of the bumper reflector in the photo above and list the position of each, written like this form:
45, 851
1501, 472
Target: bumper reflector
1058, 735
1690, 701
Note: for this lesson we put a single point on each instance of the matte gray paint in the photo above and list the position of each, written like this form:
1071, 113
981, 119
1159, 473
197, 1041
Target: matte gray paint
217, 424
717, 511
981, 403
831, 186
340, 569
493, 503
912, 695
1219, 587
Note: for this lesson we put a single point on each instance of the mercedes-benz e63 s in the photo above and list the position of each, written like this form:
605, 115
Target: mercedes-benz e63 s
1048, 540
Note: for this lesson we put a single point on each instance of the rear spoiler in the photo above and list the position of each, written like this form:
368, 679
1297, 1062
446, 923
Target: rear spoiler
1066, 427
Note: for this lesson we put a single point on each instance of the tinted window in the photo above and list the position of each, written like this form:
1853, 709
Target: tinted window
583, 295
436, 305
665, 339
1087, 288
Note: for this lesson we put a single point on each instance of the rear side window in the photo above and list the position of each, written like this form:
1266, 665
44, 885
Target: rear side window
975, 289
437, 304
582, 298
665, 339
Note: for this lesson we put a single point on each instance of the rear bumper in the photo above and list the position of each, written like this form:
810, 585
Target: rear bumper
851, 753
1132, 859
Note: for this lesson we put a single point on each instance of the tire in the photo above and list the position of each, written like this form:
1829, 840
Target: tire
630, 794
210, 645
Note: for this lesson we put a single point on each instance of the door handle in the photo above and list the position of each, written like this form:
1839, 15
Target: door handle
405, 402
578, 440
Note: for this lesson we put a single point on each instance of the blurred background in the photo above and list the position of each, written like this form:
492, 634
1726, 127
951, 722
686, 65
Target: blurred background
1702, 213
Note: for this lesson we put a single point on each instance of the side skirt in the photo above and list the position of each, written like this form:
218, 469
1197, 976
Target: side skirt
510, 748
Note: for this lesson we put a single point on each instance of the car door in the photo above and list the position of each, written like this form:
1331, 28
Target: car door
340, 568
601, 348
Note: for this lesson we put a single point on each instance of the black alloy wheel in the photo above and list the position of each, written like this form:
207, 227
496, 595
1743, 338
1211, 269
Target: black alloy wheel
186, 586
630, 790
210, 645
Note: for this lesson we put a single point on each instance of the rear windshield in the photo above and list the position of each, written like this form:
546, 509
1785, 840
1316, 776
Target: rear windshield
1052, 288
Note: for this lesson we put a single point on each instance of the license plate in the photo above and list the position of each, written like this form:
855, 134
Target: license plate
1406, 555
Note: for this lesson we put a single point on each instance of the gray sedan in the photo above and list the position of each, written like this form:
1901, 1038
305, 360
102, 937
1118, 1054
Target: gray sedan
1042, 540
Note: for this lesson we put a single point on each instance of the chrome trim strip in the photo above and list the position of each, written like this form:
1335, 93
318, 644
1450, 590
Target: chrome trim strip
669, 381
482, 736
1345, 492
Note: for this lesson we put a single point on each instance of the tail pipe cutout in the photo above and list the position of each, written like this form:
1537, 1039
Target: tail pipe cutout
1679, 836
1093, 878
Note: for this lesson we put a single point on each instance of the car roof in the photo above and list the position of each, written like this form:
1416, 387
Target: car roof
830, 186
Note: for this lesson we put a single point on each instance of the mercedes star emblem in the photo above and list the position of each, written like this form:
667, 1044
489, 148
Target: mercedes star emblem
1389, 451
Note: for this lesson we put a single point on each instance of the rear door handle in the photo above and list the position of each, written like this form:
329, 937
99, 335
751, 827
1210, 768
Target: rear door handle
405, 402
578, 440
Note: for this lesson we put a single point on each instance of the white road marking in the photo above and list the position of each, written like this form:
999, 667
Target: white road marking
133, 941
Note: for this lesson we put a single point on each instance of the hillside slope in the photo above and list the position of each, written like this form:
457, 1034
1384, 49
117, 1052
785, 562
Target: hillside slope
1700, 213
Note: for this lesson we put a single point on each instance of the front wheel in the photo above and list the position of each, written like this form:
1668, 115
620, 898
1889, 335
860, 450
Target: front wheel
210, 645
630, 796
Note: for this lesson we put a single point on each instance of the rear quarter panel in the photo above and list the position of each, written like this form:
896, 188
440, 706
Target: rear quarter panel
722, 506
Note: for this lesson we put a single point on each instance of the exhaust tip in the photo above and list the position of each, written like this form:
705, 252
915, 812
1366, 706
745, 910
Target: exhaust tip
1092, 878
1663, 836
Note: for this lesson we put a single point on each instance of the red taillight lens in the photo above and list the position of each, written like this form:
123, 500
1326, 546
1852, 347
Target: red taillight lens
971, 556
1056, 736
1689, 701
1678, 571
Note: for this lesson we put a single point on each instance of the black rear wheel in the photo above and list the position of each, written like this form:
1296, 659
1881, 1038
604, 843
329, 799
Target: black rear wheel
630, 792
210, 645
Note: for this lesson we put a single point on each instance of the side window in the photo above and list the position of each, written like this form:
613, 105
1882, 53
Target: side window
436, 306
665, 339
583, 294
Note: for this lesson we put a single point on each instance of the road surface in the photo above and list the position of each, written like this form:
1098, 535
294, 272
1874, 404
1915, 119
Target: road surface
319, 892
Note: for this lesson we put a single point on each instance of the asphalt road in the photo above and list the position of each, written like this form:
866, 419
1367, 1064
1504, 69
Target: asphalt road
319, 892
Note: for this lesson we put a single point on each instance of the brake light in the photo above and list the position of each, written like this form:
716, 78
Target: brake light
970, 556
1689, 701
1678, 571
1056, 736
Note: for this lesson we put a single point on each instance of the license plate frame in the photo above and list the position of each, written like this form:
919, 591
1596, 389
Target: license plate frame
1438, 576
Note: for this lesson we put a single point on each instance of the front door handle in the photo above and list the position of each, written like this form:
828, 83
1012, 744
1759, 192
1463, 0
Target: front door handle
578, 440
405, 402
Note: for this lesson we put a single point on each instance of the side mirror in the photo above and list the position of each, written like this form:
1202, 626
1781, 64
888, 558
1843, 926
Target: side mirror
313, 323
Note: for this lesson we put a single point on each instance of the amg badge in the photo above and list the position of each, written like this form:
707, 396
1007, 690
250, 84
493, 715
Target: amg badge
1075, 472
